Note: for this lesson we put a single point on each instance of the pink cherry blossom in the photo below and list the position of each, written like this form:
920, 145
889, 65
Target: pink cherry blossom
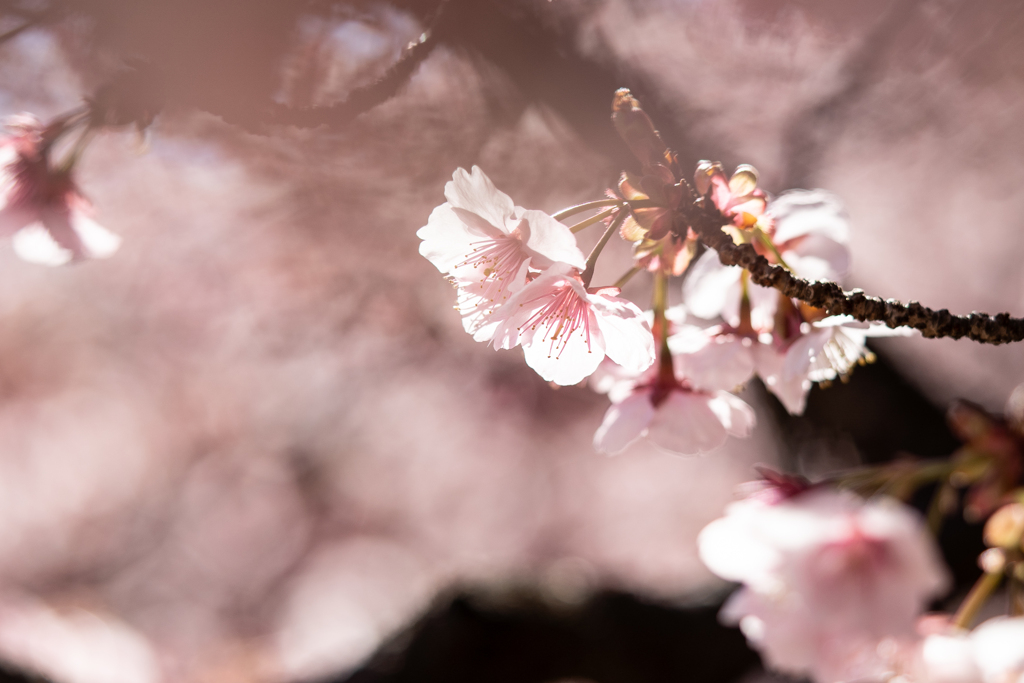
566, 330
809, 229
41, 207
487, 245
720, 357
670, 414
827, 578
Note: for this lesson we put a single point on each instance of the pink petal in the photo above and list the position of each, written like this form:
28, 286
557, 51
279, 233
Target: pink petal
627, 336
736, 416
624, 423
719, 364
474, 192
448, 240
708, 286
809, 212
685, 424
549, 241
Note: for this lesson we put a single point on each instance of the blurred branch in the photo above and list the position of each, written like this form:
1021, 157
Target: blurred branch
361, 100
707, 222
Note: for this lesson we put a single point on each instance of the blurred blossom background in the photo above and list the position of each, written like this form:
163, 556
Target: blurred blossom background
256, 445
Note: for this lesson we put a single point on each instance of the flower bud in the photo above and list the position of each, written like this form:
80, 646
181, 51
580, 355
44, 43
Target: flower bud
637, 129
1005, 527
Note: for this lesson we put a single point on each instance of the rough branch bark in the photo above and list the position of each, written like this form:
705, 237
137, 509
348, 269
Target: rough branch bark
707, 221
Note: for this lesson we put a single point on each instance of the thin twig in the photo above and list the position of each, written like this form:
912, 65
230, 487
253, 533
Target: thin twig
362, 100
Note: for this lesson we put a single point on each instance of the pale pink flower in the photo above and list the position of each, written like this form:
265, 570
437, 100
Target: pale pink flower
998, 646
809, 229
832, 347
670, 414
720, 357
488, 246
945, 658
41, 207
566, 330
828, 578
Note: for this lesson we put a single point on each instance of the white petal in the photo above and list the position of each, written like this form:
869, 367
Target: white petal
35, 244
724, 363
807, 212
736, 416
684, 423
567, 361
791, 392
707, 287
764, 301
474, 192
817, 258
624, 423
448, 240
97, 242
549, 241
627, 337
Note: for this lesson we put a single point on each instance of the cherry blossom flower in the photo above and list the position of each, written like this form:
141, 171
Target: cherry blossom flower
721, 357
566, 330
998, 646
488, 246
832, 347
41, 206
809, 229
671, 414
827, 577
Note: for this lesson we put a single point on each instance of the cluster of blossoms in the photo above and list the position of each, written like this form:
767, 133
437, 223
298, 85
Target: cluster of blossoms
834, 586
522, 281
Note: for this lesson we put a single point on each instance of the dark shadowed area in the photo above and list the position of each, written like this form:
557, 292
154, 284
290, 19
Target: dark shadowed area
256, 445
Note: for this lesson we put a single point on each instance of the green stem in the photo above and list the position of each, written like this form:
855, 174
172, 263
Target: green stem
613, 227
580, 208
767, 242
659, 303
596, 218
981, 592
621, 282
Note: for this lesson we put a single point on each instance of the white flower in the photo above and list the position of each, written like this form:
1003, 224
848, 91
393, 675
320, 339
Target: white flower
566, 330
827, 577
487, 245
998, 646
832, 347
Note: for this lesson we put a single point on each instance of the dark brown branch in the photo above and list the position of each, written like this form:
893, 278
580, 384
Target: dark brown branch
707, 222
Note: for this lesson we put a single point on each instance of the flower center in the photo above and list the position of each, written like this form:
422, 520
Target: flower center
562, 315
496, 260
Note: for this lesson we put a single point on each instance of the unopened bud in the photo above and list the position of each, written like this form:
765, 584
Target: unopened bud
743, 181
1005, 527
637, 129
706, 170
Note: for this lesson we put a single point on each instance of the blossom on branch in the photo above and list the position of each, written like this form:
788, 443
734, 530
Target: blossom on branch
566, 330
809, 231
670, 413
487, 246
41, 207
827, 578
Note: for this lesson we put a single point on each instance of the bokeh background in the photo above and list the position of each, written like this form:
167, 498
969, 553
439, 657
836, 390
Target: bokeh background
257, 446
